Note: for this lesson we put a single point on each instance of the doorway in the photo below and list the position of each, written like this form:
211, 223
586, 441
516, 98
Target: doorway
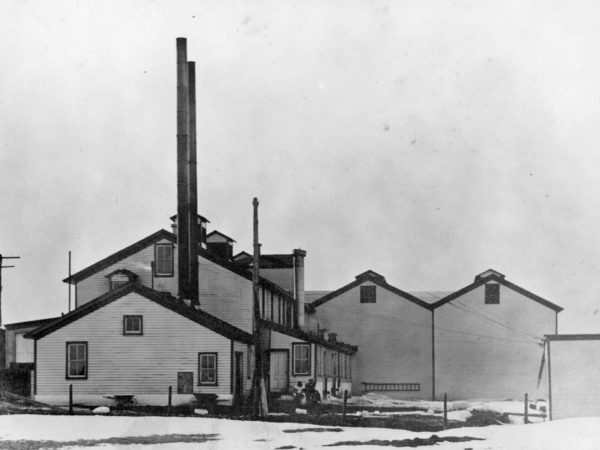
278, 373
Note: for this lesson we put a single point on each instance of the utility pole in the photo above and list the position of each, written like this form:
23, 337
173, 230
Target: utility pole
261, 407
2, 266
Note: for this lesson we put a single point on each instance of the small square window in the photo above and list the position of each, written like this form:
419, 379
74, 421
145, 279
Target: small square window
368, 294
207, 369
492, 294
133, 325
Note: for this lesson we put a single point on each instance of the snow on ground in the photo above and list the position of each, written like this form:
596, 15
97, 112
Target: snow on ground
581, 433
457, 410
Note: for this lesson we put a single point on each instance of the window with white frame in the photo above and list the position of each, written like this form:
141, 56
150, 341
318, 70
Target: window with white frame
301, 358
133, 325
207, 369
163, 260
77, 360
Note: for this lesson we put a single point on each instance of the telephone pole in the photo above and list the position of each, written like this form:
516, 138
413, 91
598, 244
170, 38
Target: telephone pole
2, 266
260, 403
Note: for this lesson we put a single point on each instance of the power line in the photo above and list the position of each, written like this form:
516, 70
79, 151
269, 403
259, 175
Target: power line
504, 325
534, 340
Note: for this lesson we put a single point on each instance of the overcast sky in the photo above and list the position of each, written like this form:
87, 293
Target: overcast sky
428, 141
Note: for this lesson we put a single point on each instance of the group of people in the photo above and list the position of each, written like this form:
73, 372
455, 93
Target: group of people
307, 395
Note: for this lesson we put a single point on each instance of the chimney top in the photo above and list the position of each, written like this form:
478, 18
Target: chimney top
299, 252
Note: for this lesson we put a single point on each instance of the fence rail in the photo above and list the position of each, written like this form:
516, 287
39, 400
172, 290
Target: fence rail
404, 387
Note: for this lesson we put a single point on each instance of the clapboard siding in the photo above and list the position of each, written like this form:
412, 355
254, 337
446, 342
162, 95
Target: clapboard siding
393, 336
119, 364
225, 294
139, 263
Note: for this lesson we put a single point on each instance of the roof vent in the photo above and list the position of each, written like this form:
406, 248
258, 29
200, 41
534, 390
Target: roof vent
489, 273
370, 275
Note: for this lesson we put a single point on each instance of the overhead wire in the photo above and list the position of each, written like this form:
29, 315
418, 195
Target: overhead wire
534, 340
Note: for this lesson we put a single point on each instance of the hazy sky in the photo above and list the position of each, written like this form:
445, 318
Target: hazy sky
426, 140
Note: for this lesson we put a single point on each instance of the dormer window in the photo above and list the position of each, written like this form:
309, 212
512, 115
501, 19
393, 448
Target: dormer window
492, 294
120, 278
163, 260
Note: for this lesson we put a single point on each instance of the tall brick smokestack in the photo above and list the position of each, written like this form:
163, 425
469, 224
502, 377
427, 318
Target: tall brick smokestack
183, 211
193, 187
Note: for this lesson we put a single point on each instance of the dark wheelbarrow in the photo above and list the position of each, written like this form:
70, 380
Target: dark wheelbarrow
122, 400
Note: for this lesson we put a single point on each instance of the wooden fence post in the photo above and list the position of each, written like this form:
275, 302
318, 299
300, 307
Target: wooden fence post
344, 410
170, 395
70, 399
526, 416
445, 410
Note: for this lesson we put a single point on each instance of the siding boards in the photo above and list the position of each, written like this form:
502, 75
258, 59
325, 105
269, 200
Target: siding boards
138, 263
225, 294
119, 364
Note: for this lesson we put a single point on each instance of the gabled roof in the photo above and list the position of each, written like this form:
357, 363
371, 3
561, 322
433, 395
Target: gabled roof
30, 323
121, 254
273, 261
162, 298
158, 236
241, 271
220, 234
299, 334
374, 278
492, 275
242, 255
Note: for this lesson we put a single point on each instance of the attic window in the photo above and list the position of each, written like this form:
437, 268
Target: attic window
163, 256
368, 294
132, 325
118, 280
492, 294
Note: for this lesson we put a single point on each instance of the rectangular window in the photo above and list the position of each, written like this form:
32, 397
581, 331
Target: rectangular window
207, 369
133, 325
77, 360
114, 284
492, 294
301, 359
163, 257
367, 294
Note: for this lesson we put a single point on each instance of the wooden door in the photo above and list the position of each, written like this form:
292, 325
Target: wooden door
185, 382
278, 371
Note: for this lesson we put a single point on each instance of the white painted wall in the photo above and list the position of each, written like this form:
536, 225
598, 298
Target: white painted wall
225, 294
140, 365
476, 358
575, 366
393, 337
